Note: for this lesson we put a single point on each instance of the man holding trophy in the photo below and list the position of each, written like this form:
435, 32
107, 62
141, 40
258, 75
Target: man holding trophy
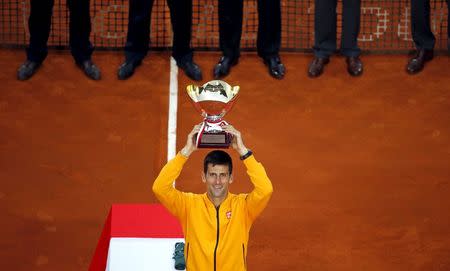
216, 224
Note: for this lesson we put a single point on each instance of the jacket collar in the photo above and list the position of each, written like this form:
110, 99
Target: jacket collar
211, 204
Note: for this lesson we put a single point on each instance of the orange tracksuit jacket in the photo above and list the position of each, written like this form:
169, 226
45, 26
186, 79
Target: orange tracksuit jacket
216, 238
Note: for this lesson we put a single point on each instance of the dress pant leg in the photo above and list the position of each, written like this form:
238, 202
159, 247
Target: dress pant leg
420, 23
181, 18
351, 17
324, 27
230, 26
80, 30
269, 28
448, 25
138, 37
39, 24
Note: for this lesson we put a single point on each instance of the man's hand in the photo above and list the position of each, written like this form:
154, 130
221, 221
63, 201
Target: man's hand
190, 143
237, 142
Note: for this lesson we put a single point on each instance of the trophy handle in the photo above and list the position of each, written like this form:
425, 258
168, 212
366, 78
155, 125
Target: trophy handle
191, 89
234, 91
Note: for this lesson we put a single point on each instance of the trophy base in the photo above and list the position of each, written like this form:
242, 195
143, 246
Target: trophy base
221, 140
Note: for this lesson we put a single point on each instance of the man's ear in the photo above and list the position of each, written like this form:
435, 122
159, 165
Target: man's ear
231, 178
203, 177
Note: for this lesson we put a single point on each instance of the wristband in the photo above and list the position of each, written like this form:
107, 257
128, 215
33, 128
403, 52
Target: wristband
245, 156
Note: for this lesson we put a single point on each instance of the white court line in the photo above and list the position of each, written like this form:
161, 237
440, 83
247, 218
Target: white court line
173, 107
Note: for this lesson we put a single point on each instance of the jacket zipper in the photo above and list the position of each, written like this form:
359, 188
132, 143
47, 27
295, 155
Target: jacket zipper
217, 240
187, 254
243, 256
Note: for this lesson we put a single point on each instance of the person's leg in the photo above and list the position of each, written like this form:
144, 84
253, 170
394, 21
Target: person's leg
80, 30
269, 28
325, 28
423, 37
448, 25
138, 37
324, 35
420, 25
269, 36
230, 27
230, 31
39, 24
181, 18
351, 17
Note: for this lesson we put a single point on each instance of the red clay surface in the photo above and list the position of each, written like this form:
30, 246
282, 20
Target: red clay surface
360, 166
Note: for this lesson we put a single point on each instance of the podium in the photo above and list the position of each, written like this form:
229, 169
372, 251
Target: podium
137, 237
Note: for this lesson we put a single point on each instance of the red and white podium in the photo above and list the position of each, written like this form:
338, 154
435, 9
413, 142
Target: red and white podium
137, 237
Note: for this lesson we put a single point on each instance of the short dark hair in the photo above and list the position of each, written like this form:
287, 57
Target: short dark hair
217, 157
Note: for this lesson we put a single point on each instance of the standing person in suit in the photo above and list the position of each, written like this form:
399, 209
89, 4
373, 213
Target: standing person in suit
39, 24
325, 35
268, 41
422, 35
138, 37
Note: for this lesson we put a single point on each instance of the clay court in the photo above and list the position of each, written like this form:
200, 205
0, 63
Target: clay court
360, 166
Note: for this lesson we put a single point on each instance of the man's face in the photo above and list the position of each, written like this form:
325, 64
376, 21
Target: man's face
217, 179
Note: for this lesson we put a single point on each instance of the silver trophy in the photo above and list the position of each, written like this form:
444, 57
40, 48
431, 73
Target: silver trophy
213, 100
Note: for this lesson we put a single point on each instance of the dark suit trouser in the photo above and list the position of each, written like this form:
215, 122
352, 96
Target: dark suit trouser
325, 27
420, 23
138, 37
39, 25
269, 27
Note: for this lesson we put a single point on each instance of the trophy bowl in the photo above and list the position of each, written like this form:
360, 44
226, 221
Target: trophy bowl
213, 100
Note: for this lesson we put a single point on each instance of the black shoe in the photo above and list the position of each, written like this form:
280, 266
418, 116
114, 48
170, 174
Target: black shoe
354, 66
127, 69
417, 62
222, 68
317, 65
27, 69
191, 69
90, 69
276, 68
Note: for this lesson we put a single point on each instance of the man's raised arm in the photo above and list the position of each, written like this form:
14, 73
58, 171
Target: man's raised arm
163, 188
260, 195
